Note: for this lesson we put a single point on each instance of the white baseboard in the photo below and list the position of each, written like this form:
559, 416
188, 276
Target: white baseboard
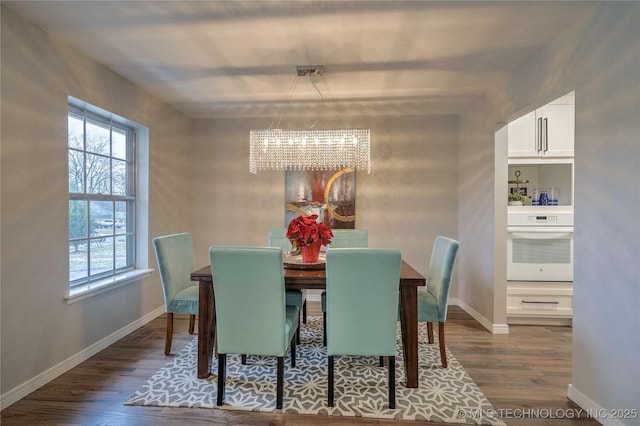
45, 377
314, 295
591, 408
537, 320
493, 328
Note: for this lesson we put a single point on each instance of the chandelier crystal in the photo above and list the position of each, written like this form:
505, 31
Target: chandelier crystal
309, 149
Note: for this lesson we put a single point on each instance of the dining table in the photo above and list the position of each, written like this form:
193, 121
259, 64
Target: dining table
314, 279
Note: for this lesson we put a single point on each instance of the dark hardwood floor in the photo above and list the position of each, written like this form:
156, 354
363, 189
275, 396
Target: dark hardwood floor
524, 375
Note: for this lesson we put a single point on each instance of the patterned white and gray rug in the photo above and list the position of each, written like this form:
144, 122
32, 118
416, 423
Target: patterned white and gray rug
445, 395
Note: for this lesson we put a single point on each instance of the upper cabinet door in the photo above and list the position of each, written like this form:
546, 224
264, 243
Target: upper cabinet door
558, 135
546, 132
522, 134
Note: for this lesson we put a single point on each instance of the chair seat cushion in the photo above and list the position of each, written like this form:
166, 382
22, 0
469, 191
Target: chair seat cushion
294, 298
427, 307
291, 321
185, 301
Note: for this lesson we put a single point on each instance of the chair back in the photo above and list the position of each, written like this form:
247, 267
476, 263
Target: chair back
362, 300
174, 254
248, 284
278, 238
443, 259
345, 238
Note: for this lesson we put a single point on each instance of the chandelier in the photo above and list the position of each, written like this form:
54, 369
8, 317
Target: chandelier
309, 149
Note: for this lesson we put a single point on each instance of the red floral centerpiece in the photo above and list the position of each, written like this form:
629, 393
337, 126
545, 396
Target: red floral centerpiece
307, 235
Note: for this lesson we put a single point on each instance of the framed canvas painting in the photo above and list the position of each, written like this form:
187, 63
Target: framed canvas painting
331, 194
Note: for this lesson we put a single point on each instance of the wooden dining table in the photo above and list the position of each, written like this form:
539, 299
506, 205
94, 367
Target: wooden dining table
314, 279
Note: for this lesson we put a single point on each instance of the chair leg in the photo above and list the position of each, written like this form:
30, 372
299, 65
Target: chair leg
392, 382
279, 383
324, 328
330, 381
304, 305
304, 312
381, 361
167, 342
222, 363
293, 352
443, 349
192, 323
430, 332
243, 359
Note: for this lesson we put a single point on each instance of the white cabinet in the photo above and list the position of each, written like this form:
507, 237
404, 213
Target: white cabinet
545, 132
539, 302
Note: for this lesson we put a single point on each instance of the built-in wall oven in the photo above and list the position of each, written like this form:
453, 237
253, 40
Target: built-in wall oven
540, 244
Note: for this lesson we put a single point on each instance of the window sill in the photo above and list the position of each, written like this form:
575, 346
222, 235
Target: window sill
107, 284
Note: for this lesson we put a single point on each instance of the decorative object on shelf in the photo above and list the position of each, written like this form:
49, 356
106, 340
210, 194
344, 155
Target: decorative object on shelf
309, 149
307, 236
516, 197
544, 199
535, 197
553, 196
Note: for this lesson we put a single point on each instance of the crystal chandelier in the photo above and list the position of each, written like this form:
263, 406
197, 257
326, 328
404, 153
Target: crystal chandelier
309, 149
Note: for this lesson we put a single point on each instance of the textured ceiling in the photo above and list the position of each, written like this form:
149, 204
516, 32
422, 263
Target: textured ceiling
234, 58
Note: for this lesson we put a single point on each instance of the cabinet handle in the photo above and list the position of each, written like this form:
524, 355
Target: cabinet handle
555, 302
546, 136
539, 138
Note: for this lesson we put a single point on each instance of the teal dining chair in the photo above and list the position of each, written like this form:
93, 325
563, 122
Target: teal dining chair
361, 304
343, 238
252, 317
434, 298
278, 238
174, 254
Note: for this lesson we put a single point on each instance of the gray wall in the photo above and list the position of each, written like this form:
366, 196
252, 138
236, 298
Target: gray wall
409, 198
600, 58
478, 212
39, 329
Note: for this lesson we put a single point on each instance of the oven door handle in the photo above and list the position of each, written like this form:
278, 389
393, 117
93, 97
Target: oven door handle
540, 233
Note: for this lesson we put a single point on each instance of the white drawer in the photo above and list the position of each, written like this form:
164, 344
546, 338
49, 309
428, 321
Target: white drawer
540, 302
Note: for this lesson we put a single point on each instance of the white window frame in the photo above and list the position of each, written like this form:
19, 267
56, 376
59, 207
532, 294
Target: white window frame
136, 197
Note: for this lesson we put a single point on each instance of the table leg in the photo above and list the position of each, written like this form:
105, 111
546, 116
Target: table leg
206, 328
409, 327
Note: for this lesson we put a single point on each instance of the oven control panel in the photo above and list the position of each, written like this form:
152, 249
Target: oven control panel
540, 218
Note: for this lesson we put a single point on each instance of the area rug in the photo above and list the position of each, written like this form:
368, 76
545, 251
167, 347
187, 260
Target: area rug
445, 395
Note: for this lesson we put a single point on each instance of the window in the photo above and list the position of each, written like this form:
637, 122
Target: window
102, 195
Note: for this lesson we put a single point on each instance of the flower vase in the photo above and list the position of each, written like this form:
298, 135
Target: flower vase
311, 252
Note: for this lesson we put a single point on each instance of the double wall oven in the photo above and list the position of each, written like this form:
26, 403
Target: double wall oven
540, 244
